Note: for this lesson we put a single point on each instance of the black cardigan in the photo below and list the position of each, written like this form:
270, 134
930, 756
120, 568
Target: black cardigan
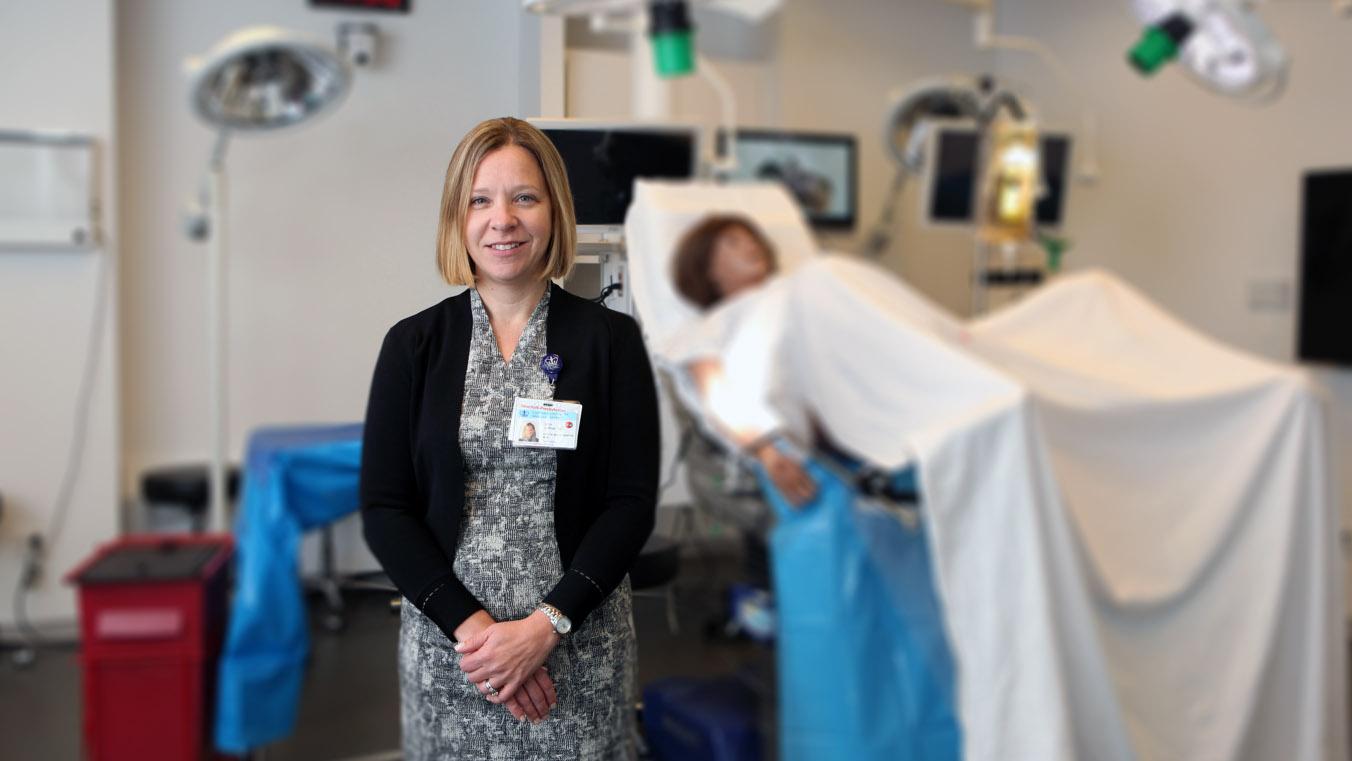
412, 475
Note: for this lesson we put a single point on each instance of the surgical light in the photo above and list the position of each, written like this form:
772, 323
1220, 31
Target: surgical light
1222, 44
256, 80
909, 122
264, 78
906, 126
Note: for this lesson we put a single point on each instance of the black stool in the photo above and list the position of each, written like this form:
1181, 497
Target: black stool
186, 487
657, 565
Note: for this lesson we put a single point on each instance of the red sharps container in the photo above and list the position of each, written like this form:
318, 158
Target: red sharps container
152, 617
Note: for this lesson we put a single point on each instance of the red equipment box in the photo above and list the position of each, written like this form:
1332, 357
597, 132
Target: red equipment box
152, 618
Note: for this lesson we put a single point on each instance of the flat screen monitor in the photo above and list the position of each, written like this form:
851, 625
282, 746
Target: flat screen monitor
818, 169
1326, 267
604, 158
952, 192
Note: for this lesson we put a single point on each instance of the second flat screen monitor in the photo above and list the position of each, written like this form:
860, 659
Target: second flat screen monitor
817, 169
952, 190
1326, 267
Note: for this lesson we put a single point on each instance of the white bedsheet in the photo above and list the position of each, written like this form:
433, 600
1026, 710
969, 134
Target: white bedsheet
1132, 526
1196, 480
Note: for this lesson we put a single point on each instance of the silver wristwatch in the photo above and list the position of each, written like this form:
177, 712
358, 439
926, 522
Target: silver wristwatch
561, 623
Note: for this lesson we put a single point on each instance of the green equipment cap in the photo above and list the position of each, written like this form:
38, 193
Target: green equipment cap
1160, 43
673, 38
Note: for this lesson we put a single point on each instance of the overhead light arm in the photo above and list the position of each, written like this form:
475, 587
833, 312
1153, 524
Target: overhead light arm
906, 130
986, 38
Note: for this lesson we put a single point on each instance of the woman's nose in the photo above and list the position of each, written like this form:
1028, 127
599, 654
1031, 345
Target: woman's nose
503, 218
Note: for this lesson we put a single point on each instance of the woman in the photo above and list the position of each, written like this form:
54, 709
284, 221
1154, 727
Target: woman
528, 433
513, 559
717, 259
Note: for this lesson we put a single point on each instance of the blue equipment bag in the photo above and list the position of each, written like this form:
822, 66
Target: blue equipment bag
296, 478
865, 671
707, 719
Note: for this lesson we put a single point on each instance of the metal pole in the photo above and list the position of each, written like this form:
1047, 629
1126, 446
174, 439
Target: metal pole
216, 336
979, 258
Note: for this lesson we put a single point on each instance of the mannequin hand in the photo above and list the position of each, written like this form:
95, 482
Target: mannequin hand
506, 653
788, 475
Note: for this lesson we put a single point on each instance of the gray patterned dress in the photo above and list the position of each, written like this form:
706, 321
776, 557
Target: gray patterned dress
508, 558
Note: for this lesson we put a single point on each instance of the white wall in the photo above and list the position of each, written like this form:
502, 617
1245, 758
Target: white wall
47, 307
1200, 196
331, 226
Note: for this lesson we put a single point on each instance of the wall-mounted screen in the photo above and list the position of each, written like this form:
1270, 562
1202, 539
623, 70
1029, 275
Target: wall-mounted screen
1326, 267
818, 169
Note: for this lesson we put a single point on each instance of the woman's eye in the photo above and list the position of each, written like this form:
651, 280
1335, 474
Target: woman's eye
526, 198
478, 201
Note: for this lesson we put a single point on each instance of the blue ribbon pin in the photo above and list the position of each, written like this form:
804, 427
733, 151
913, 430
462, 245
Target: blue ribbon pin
551, 365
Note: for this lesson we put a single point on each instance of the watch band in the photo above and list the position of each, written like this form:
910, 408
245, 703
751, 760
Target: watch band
556, 618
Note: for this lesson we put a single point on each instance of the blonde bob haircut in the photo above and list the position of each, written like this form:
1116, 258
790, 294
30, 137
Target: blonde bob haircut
452, 255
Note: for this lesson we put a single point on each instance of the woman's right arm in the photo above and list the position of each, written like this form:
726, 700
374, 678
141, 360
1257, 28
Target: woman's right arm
391, 508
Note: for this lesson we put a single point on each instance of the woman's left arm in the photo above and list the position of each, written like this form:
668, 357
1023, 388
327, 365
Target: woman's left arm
614, 539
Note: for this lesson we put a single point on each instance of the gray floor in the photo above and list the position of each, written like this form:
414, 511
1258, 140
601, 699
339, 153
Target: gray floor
350, 703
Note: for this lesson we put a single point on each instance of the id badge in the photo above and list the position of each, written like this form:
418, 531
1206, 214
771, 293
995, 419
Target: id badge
545, 423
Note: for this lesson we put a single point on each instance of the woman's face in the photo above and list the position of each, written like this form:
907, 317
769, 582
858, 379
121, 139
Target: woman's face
738, 262
507, 228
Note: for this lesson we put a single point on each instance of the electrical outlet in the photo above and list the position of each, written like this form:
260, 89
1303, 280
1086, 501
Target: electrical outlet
32, 562
359, 42
1270, 295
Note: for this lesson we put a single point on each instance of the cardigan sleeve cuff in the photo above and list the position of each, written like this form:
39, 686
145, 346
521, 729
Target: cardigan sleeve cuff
448, 604
577, 594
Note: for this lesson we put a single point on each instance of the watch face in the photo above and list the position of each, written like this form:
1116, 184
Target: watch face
564, 625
